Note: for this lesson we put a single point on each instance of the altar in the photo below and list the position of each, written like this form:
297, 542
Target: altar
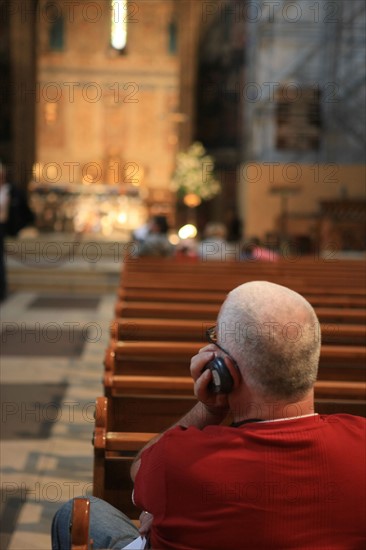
101, 211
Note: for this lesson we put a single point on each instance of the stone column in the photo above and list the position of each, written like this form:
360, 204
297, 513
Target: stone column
23, 92
190, 22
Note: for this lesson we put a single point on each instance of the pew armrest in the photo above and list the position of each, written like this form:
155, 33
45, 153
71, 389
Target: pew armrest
80, 525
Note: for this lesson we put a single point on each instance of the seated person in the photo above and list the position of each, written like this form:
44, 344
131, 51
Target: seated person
280, 476
187, 249
155, 241
254, 250
213, 245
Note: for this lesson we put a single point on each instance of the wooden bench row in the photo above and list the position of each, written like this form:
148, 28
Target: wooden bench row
304, 265
142, 329
125, 385
218, 296
204, 311
155, 402
213, 282
305, 269
173, 358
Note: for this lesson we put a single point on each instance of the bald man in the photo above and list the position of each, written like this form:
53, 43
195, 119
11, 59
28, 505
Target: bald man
280, 476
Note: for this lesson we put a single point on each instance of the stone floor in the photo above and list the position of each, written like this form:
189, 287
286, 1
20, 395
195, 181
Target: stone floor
51, 372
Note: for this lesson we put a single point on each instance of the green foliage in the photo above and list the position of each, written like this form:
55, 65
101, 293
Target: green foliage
195, 173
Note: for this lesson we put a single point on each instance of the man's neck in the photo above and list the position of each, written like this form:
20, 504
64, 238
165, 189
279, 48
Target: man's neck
267, 410
258, 420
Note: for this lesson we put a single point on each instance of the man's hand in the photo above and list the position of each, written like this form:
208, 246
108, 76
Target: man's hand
146, 520
214, 403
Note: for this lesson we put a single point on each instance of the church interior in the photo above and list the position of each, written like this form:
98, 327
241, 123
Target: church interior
247, 115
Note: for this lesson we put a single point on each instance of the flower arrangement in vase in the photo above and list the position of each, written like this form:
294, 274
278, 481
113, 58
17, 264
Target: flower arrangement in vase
194, 180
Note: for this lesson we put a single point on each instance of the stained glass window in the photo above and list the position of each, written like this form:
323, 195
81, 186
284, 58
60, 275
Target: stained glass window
119, 24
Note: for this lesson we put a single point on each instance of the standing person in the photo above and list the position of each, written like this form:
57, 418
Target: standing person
4, 214
280, 476
15, 214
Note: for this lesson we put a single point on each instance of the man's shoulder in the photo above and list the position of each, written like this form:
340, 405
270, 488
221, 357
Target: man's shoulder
346, 422
193, 435
343, 418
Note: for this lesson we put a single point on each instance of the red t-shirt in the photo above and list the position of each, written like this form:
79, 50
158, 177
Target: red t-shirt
292, 484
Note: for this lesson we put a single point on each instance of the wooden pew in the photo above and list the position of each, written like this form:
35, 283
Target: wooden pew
195, 331
328, 272
337, 362
80, 539
113, 454
199, 311
212, 283
154, 388
332, 275
217, 297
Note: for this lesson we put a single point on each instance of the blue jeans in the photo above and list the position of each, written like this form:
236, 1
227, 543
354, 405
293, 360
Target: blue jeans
109, 528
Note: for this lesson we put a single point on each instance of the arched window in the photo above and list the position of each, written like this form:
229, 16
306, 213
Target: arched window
56, 35
52, 12
119, 24
172, 37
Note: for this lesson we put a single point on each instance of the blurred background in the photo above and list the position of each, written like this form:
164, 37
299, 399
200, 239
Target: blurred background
99, 98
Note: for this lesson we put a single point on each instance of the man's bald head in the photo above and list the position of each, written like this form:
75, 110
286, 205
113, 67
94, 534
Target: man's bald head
273, 333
